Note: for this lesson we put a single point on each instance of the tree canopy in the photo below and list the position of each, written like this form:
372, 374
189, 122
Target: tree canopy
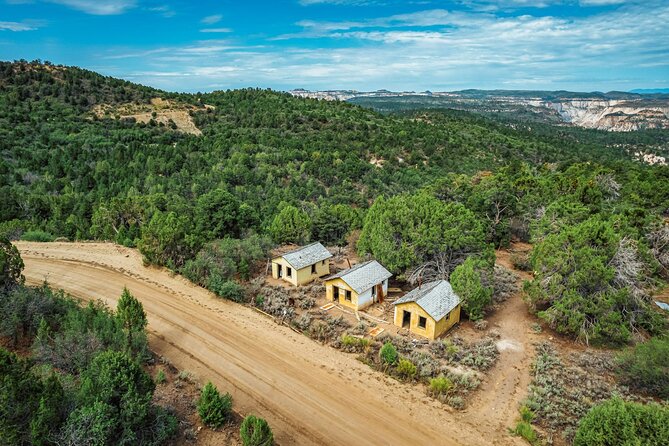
11, 265
624, 423
469, 282
80, 384
291, 225
590, 278
406, 232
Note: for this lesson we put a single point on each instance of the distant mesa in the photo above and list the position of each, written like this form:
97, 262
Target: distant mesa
614, 111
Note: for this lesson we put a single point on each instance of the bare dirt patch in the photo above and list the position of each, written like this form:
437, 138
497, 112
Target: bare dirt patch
162, 111
506, 384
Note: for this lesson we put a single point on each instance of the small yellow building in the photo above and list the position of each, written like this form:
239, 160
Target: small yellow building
302, 265
358, 287
429, 310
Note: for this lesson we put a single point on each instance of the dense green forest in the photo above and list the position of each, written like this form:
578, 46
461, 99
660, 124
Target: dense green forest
74, 175
427, 190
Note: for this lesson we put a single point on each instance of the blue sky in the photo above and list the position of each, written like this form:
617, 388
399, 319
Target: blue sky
181, 45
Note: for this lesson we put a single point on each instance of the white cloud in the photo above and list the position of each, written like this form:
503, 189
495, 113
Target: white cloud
164, 10
186, 52
421, 18
432, 17
511, 5
494, 5
480, 5
99, 7
136, 54
337, 2
432, 49
204, 49
211, 19
602, 2
19, 26
216, 30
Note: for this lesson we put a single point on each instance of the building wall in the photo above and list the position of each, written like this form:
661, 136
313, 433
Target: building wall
275, 270
329, 293
365, 299
433, 329
323, 269
446, 323
302, 276
358, 301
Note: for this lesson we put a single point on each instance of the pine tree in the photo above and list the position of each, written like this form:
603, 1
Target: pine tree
130, 313
49, 416
214, 409
11, 265
467, 282
255, 431
116, 381
291, 225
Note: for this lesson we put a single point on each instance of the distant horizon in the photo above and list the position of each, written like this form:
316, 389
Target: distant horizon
642, 91
549, 45
634, 90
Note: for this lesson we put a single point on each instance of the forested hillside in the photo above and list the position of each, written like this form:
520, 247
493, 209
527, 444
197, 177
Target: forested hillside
269, 167
64, 170
613, 111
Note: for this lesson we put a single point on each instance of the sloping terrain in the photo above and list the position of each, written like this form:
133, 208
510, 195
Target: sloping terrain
309, 393
612, 115
264, 147
163, 111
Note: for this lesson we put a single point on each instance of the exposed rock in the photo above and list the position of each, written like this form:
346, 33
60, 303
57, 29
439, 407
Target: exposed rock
162, 111
615, 111
615, 115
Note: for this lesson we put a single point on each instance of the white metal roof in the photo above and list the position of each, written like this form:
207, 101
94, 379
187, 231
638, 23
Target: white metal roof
436, 298
306, 255
363, 276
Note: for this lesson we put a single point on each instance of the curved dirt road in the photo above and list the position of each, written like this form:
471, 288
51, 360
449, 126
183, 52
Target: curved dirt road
309, 393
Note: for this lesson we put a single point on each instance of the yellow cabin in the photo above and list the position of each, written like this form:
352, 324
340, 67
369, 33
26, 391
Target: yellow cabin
429, 310
358, 287
302, 265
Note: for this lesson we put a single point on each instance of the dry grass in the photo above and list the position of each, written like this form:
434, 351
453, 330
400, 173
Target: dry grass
565, 387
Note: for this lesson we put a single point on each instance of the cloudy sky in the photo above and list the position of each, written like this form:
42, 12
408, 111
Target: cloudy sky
183, 45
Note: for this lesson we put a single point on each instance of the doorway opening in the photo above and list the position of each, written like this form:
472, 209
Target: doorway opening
406, 319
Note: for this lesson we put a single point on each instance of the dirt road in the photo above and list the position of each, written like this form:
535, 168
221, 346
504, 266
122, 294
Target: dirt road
310, 394
508, 381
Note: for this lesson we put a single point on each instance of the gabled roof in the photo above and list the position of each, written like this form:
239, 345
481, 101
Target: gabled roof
363, 276
436, 298
306, 255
